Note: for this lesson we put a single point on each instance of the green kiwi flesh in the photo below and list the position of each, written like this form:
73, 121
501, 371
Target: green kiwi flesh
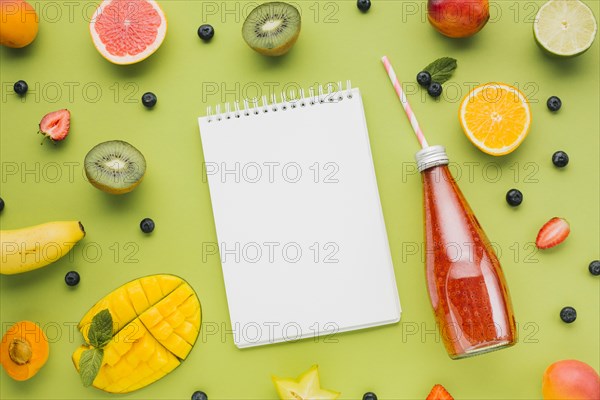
272, 28
115, 166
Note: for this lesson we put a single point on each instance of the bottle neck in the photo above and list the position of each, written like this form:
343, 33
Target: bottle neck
430, 157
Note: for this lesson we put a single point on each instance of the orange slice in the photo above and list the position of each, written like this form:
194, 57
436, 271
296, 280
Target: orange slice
495, 117
128, 31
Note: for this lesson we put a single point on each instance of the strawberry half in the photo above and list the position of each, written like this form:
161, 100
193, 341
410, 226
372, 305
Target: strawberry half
553, 233
55, 125
438, 392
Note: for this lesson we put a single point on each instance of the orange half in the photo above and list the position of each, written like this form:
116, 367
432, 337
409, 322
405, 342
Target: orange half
495, 117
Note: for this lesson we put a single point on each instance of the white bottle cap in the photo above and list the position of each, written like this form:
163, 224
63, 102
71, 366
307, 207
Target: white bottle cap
431, 156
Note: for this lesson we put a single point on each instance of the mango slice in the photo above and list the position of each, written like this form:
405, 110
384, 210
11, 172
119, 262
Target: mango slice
138, 296
156, 321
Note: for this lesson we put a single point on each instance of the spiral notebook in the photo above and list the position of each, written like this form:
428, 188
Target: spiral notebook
300, 230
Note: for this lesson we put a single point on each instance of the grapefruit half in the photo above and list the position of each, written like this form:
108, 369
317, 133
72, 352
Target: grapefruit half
128, 31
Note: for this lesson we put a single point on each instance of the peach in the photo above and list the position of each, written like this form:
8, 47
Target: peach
458, 18
570, 380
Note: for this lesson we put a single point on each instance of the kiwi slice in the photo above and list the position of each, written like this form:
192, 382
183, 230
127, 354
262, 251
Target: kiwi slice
272, 28
115, 167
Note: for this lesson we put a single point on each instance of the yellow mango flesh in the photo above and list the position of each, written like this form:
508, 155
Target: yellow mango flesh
138, 298
125, 303
156, 321
165, 318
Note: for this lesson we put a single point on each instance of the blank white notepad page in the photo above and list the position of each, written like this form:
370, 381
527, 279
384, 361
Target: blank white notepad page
299, 224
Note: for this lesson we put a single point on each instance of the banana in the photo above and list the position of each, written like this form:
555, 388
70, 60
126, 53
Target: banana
26, 249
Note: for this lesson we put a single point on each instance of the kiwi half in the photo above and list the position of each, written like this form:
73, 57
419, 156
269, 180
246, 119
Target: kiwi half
115, 167
272, 28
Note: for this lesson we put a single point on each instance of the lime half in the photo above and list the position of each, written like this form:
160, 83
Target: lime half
565, 27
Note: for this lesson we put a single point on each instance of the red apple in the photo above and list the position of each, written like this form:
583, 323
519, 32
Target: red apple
570, 380
458, 18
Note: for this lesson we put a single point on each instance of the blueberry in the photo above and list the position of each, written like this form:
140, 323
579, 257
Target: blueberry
560, 159
554, 103
206, 32
363, 5
199, 395
369, 396
147, 225
72, 278
568, 314
149, 99
1, 204
514, 197
595, 267
20, 87
435, 89
424, 78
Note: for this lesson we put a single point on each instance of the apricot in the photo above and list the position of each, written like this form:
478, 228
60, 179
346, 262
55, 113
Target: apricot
570, 380
24, 350
458, 18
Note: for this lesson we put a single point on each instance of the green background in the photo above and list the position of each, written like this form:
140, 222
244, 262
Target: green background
402, 361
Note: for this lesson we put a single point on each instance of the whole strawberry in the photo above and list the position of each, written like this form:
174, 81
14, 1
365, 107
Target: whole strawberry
55, 125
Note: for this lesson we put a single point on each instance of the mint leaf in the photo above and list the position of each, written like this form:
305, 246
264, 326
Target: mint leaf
89, 365
441, 69
100, 332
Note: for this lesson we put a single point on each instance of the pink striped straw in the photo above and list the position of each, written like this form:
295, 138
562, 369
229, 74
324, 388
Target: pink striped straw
409, 112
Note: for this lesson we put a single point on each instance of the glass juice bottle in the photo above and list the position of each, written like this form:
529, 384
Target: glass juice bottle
464, 279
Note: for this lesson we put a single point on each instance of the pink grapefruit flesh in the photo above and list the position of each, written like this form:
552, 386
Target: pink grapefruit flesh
128, 31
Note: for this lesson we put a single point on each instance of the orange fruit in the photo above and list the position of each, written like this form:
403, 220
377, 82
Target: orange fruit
128, 31
495, 117
18, 23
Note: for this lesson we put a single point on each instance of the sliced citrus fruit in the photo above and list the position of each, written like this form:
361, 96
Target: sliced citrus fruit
128, 31
495, 117
565, 27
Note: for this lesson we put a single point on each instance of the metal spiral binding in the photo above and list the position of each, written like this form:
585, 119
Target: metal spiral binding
250, 107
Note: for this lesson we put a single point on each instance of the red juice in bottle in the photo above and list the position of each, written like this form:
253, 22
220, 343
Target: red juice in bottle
465, 282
